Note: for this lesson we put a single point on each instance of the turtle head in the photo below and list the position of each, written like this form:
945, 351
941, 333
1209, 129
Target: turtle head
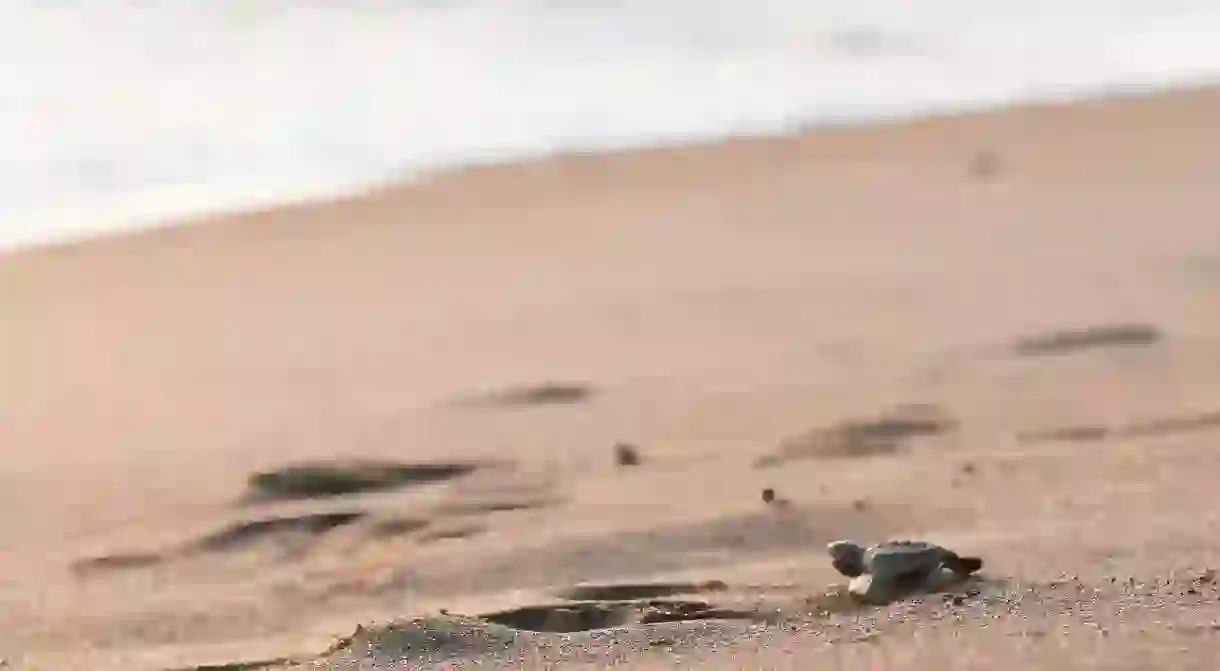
847, 557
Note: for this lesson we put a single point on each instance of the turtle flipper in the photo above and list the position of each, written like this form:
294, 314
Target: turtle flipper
848, 558
851, 569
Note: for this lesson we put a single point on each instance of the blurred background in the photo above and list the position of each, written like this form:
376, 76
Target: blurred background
115, 113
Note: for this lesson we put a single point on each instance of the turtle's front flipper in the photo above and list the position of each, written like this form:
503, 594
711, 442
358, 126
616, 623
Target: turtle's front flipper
847, 567
848, 558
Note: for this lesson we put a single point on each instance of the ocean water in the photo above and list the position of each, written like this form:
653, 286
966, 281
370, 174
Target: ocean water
121, 114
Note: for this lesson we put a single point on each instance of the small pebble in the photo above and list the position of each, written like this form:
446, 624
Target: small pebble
626, 454
985, 164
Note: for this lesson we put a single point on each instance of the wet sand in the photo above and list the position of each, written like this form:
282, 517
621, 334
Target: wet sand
239, 440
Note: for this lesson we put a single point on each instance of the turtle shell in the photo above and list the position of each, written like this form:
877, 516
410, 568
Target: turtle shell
906, 559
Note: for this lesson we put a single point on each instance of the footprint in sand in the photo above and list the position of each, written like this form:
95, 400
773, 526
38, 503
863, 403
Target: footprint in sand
886, 434
324, 479
296, 532
588, 615
1071, 341
1140, 428
527, 396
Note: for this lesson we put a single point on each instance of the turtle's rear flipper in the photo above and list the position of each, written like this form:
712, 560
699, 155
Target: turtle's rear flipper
963, 565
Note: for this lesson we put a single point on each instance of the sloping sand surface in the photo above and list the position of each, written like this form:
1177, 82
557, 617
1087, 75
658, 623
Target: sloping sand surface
237, 441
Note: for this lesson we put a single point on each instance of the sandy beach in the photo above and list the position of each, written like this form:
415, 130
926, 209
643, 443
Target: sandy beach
234, 442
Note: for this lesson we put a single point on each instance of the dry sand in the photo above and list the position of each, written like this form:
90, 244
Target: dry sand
999, 331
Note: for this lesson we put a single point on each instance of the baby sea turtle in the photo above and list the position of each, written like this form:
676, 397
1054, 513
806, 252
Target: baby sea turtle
898, 559
885, 570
